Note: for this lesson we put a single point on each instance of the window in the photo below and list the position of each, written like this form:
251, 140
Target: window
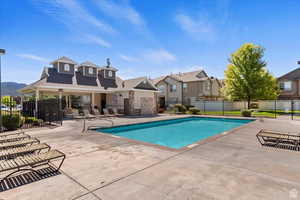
161, 88
207, 86
184, 85
67, 67
173, 88
91, 70
286, 86
110, 74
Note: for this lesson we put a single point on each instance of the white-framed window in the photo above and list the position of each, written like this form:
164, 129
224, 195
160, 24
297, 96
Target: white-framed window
91, 70
207, 86
173, 88
110, 74
286, 85
161, 88
66, 67
184, 85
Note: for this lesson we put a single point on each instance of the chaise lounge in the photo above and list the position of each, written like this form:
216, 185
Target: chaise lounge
18, 151
275, 138
19, 143
11, 138
30, 162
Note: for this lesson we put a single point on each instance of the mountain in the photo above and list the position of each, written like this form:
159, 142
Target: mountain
10, 88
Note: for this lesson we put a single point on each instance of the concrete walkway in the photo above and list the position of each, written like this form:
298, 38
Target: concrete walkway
103, 167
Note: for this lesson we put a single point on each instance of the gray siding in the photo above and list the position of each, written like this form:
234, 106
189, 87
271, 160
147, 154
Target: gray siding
62, 68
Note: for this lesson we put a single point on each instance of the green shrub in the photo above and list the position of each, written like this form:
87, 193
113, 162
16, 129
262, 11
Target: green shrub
11, 122
180, 108
188, 107
254, 105
246, 113
194, 111
32, 120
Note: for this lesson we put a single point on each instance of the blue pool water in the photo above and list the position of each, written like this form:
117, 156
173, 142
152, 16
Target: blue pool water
175, 133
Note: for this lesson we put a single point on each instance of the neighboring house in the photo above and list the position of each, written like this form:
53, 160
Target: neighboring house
182, 87
94, 86
290, 85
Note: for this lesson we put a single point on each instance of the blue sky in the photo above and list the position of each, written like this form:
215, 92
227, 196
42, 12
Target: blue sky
146, 38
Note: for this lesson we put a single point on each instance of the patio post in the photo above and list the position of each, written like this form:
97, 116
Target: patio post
93, 100
60, 91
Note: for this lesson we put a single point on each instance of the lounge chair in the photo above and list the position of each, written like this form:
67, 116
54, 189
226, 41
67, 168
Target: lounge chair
115, 112
19, 143
76, 115
273, 138
11, 138
87, 114
31, 162
8, 134
17, 151
107, 114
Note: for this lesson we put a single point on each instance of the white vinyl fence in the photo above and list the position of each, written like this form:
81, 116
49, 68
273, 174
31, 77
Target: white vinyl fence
282, 105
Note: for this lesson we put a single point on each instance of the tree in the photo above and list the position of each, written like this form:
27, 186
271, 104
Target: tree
247, 78
8, 101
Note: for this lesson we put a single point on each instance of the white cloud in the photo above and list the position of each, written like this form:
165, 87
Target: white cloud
33, 57
159, 55
128, 58
72, 14
97, 40
120, 10
199, 28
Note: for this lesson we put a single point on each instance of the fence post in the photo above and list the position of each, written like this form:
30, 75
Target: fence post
292, 108
204, 106
275, 110
223, 107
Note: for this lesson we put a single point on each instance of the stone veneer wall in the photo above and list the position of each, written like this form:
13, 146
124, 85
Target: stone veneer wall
131, 103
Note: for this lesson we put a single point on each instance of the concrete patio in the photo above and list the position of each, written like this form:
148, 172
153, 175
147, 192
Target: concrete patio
103, 167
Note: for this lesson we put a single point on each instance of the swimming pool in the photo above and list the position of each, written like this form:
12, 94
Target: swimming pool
175, 133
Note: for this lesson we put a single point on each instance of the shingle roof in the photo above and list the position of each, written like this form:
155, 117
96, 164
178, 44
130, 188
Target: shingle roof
293, 75
55, 77
88, 64
64, 59
185, 77
131, 83
86, 80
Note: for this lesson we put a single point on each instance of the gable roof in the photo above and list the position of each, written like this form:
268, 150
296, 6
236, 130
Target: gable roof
88, 64
131, 83
183, 77
293, 75
64, 59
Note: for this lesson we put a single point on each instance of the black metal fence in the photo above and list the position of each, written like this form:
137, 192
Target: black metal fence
48, 111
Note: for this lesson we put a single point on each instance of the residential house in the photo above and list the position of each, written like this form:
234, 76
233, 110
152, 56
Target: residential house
94, 86
182, 87
290, 85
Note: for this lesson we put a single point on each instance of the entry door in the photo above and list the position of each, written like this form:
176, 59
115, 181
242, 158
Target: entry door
126, 106
162, 102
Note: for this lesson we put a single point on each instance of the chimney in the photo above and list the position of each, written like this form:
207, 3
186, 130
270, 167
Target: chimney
108, 62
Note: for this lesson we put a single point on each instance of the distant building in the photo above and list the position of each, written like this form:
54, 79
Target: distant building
181, 87
290, 85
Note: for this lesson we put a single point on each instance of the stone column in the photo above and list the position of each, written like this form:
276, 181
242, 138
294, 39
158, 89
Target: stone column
131, 103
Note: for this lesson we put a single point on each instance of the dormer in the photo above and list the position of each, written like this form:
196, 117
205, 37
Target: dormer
108, 72
64, 65
88, 69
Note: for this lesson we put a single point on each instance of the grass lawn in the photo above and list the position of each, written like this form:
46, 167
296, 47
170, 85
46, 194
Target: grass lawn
238, 113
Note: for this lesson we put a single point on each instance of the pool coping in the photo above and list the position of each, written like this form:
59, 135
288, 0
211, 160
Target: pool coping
188, 147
